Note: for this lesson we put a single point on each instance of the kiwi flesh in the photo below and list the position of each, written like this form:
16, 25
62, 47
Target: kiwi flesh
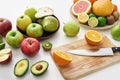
47, 45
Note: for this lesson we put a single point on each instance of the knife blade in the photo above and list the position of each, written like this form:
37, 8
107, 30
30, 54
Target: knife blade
95, 52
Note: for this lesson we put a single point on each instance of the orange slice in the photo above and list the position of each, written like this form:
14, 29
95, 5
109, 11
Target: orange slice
93, 37
61, 58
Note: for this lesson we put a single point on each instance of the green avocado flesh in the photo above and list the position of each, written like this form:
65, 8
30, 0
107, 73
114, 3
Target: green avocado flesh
21, 67
39, 68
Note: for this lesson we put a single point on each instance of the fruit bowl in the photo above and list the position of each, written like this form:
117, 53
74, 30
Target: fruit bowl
102, 18
95, 28
46, 35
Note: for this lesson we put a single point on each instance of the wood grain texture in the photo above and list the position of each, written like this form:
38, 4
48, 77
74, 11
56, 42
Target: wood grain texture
82, 65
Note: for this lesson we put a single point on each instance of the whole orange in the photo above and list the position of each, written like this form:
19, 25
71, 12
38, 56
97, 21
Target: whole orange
92, 1
115, 8
75, 1
102, 7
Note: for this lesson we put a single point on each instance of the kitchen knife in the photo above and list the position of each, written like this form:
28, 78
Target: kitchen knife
95, 52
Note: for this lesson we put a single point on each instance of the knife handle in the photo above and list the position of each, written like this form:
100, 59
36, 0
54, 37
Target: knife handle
116, 49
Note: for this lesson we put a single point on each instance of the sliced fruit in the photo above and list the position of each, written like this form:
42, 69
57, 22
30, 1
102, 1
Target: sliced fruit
2, 46
61, 58
39, 68
5, 55
21, 67
81, 6
116, 15
102, 21
83, 17
93, 37
93, 22
44, 11
110, 19
47, 45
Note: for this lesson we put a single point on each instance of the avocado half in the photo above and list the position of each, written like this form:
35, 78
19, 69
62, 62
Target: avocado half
39, 68
21, 67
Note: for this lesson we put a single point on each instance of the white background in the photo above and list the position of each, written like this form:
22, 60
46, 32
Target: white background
11, 9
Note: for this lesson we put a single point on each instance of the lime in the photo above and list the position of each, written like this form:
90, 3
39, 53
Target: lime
93, 22
91, 15
102, 21
83, 17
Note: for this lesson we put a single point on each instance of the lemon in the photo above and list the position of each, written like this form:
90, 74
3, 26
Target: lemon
83, 17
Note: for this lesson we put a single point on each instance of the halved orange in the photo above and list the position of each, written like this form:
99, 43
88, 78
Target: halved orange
93, 37
61, 58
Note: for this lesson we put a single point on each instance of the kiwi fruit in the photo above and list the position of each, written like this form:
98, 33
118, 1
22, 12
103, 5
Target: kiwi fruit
116, 15
110, 19
47, 45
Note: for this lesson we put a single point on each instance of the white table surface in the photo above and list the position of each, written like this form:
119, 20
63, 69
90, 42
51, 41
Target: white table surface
11, 9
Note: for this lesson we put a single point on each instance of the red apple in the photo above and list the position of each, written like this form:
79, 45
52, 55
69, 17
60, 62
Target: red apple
5, 56
30, 46
5, 26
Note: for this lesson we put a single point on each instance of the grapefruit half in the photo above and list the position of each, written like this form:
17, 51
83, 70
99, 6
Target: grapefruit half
81, 6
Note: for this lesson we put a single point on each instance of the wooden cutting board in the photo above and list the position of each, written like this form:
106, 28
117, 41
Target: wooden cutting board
81, 65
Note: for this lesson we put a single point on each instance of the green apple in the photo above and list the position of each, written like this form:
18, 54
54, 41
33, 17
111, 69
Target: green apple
34, 30
71, 28
50, 24
31, 13
115, 32
14, 38
23, 21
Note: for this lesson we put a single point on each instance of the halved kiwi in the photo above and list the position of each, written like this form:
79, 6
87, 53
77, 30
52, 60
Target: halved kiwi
47, 45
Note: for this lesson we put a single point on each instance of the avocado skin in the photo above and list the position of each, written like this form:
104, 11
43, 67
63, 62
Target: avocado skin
35, 74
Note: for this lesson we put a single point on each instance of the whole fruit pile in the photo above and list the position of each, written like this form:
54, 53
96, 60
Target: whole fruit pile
95, 13
37, 23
